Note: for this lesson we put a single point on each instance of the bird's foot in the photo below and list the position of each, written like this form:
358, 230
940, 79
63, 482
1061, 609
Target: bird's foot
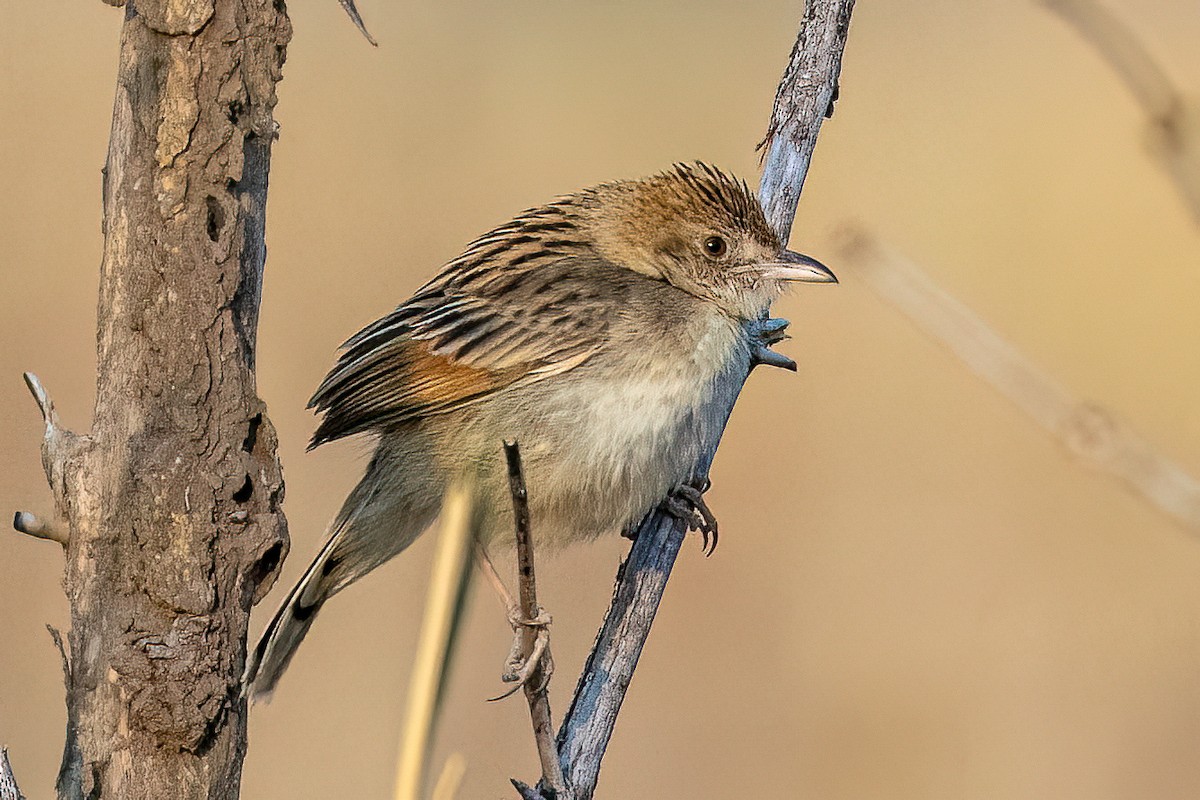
771, 331
767, 332
686, 503
520, 667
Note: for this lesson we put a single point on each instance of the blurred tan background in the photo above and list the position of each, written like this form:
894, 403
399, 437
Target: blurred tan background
918, 593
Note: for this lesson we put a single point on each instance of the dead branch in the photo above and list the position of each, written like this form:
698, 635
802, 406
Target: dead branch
31, 525
805, 97
641, 580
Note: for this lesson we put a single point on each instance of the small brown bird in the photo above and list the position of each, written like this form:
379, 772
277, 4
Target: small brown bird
608, 332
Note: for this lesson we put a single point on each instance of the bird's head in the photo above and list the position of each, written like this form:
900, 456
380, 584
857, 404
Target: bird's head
702, 231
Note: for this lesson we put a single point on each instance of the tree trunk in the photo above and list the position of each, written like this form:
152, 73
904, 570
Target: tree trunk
173, 499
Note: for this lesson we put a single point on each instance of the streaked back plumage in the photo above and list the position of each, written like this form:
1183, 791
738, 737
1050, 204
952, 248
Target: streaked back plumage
507, 310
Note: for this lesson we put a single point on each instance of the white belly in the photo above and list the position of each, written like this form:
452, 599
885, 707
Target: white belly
611, 444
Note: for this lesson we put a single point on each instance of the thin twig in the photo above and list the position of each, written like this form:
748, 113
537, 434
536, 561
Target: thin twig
443, 614
535, 677
358, 20
805, 96
1093, 434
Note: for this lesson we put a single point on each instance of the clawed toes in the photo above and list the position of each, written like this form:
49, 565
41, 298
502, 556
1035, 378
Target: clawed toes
768, 332
772, 331
518, 668
686, 503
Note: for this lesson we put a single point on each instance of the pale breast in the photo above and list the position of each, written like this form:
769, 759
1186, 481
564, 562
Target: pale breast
604, 446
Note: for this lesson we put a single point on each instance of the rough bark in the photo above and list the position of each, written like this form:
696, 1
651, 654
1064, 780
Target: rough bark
172, 501
805, 97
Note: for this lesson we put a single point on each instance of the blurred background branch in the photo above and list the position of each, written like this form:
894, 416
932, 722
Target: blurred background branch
448, 586
1095, 435
1174, 119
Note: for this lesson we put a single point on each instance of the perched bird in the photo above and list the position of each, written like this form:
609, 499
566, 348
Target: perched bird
607, 332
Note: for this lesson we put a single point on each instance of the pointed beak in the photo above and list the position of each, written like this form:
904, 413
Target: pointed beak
798, 267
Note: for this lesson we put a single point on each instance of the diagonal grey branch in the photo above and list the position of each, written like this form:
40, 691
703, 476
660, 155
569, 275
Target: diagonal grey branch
804, 98
606, 675
357, 19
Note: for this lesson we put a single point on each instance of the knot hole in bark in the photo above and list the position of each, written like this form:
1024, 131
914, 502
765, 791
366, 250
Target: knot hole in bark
243, 494
265, 566
216, 218
252, 434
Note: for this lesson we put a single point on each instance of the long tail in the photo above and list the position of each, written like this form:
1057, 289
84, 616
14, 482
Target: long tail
391, 506
288, 627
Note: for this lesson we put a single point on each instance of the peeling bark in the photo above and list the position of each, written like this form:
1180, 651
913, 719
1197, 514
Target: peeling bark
172, 500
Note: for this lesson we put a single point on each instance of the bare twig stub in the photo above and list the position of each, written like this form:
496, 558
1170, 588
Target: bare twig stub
534, 638
32, 525
804, 98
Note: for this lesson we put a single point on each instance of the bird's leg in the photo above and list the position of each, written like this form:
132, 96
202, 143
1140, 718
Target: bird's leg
484, 561
518, 667
767, 332
686, 502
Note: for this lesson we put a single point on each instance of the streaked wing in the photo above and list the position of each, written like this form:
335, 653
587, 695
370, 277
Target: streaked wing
469, 333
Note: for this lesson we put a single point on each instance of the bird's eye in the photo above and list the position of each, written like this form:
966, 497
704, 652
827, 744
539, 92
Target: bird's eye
715, 246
